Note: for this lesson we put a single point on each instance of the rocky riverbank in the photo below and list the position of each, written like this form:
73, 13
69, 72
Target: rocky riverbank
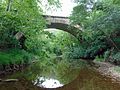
11, 68
108, 70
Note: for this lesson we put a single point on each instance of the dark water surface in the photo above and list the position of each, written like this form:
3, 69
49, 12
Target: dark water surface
59, 77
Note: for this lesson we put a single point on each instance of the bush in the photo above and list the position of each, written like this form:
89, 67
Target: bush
74, 53
115, 58
15, 56
99, 59
106, 54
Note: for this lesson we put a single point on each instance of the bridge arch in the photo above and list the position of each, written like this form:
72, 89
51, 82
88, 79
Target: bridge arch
60, 23
63, 23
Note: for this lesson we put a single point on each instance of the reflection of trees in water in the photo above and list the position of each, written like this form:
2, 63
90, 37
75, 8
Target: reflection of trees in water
60, 71
87, 79
57, 69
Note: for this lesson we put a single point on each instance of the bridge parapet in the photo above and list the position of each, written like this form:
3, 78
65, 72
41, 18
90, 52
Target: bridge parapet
63, 23
57, 19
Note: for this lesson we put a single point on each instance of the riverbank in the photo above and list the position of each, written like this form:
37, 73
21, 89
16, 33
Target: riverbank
14, 59
109, 70
10, 69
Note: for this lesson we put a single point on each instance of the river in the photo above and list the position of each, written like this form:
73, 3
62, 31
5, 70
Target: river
61, 76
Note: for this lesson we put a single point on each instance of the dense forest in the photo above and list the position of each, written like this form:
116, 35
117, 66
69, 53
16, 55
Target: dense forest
23, 38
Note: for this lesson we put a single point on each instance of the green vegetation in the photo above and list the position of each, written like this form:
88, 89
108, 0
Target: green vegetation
23, 38
15, 56
54, 53
117, 69
99, 21
21, 30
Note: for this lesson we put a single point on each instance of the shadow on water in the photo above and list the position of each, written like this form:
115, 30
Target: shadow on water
61, 75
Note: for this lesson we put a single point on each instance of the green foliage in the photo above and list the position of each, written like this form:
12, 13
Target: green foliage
67, 46
99, 59
117, 69
106, 54
15, 56
116, 57
74, 53
7, 29
23, 16
99, 21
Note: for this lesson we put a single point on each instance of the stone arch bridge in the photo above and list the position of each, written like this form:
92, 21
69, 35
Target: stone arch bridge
57, 22
60, 23
63, 23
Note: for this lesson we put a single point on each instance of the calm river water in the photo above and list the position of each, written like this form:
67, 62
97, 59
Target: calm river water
59, 77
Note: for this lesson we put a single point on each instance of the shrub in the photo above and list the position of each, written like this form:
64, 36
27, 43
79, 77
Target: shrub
117, 56
15, 56
74, 53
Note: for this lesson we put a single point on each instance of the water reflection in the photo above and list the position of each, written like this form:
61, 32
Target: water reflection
61, 76
89, 79
47, 82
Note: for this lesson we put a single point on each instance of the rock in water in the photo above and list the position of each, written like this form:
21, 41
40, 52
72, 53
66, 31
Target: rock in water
10, 80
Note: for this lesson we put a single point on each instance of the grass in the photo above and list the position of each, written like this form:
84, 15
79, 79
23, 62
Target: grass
14, 56
99, 59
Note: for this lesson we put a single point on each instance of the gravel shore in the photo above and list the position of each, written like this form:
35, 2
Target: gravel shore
108, 70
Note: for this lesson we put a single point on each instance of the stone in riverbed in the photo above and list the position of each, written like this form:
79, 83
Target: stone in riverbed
10, 80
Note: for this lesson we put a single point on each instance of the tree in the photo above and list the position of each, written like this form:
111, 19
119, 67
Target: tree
24, 17
99, 21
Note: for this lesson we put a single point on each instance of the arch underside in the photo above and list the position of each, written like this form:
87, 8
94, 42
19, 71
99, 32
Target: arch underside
67, 28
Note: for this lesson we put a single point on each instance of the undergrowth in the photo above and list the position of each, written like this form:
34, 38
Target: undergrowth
15, 56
